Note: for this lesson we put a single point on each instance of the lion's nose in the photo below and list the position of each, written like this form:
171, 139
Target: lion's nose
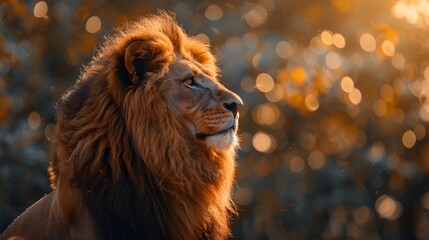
232, 107
232, 104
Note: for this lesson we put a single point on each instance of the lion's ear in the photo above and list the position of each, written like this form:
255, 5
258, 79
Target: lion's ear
137, 61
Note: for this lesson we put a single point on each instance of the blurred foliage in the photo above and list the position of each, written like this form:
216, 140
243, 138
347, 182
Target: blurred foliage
334, 141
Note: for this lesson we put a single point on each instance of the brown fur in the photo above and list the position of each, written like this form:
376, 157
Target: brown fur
132, 157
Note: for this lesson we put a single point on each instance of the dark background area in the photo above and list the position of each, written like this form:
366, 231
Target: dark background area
334, 141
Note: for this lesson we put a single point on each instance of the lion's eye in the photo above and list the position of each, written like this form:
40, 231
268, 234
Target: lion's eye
190, 81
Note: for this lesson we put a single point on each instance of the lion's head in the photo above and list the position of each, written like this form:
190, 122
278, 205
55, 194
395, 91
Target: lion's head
148, 130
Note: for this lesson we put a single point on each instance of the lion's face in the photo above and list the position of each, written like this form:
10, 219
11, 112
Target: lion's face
185, 72
206, 109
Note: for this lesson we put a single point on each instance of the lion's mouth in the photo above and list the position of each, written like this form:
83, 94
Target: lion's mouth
203, 136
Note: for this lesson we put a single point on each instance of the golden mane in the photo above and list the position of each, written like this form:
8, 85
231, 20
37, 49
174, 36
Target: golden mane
128, 160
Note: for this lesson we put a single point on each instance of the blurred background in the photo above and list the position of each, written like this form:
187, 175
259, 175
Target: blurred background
334, 131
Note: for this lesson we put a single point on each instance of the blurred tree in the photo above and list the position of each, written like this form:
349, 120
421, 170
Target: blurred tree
334, 140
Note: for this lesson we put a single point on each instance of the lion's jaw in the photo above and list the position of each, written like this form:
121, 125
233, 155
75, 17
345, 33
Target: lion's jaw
222, 141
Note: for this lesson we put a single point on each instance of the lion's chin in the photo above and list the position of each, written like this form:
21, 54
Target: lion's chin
223, 141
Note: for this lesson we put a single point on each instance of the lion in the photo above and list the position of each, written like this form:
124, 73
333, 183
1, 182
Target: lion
144, 144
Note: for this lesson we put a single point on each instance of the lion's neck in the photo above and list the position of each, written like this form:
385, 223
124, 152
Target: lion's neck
145, 209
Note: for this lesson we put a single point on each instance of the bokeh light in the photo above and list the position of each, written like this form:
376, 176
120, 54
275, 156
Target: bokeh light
93, 24
388, 208
367, 42
296, 164
316, 160
49, 130
213, 12
388, 48
326, 37
409, 139
284, 49
264, 82
333, 60
34, 120
298, 75
312, 102
347, 84
380, 107
263, 142
40, 9
276, 94
355, 96
266, 114
256, 16
203, 37
251, 40
339, 40
414, 12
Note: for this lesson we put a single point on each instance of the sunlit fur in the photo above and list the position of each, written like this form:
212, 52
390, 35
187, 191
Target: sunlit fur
221, 141
125, 153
